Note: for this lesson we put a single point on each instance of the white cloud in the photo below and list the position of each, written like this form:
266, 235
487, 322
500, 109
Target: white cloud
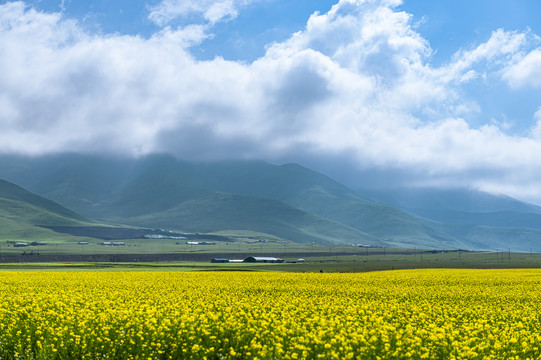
362, 36
536, 130
220, 10
526, 72
212, 11
497, 52
185, 37
167, 10
356, 84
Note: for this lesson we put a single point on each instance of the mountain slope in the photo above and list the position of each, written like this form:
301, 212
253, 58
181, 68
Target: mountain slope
464, 206
158, 183
288, 201
480, 220
305, 190
498, 219
12, 194
160, 191
22, 214
220, 211
495, 238
291, 184
451, 200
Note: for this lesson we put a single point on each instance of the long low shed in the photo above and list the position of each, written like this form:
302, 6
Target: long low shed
263, 259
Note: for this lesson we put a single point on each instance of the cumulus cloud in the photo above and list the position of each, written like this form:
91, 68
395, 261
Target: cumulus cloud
212, 11
496, 53
526, 72
355, 86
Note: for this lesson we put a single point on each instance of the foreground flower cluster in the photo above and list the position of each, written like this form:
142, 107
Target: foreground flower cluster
416, 314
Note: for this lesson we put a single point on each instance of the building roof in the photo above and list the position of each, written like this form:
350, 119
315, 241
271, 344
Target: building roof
262, 259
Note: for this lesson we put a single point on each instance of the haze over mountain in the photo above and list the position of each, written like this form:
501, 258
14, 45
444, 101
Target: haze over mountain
421, 93
464, 207
160, 192
289, 201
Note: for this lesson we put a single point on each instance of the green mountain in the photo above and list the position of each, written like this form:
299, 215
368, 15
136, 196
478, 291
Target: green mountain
317, 194
426, 200
220, 211
159, 191
164, 192
22, 214
290, 184
480, 220
289, 201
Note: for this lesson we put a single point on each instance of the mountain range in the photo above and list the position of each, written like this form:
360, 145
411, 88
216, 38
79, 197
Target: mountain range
288, 201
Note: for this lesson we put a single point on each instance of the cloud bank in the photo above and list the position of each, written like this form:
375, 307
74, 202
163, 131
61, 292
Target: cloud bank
355, 86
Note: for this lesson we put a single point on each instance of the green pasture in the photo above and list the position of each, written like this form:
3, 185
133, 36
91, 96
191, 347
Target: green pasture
165, 246
335, 259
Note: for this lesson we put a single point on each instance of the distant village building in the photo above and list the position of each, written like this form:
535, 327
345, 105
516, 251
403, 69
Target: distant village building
113, 243
37, 243
263, 259
200, 243
158, 236
20, 244
250, 259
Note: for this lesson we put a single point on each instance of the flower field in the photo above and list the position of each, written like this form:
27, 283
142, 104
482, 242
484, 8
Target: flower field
412, 314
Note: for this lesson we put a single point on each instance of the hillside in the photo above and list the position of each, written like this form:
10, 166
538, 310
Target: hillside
426, 200
480, 220
22, 214
152, 189
288, 201
290, 184
234, 212
11, 193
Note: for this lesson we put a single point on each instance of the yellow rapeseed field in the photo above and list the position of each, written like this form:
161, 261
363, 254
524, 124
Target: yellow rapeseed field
412, 314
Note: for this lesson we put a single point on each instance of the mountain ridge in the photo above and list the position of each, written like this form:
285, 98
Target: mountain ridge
289, 201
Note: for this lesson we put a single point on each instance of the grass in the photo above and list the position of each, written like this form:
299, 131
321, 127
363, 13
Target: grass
240, 244
318, 258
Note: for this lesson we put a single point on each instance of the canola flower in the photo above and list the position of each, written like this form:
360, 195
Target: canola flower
411, 314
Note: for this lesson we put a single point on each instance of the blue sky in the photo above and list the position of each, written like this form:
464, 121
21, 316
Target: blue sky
242, 38
447, 25
419, 93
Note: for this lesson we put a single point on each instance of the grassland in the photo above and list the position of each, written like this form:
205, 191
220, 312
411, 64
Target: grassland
170, 254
